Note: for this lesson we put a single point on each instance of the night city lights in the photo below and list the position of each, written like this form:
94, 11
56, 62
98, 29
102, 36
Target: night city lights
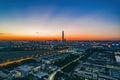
59, 40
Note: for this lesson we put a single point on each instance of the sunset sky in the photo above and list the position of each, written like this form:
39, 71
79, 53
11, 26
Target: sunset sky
45, 19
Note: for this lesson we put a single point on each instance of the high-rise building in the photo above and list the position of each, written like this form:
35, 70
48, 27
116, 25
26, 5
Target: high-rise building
62, 35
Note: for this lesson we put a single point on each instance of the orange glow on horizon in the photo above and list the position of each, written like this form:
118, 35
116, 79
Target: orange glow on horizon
57, 37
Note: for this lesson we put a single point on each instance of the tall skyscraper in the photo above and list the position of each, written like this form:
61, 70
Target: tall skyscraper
62, 35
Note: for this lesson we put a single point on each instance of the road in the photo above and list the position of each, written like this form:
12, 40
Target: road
23, 59
29, 57
15, 61
51, 77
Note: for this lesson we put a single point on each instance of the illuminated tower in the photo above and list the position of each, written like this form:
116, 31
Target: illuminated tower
62, 35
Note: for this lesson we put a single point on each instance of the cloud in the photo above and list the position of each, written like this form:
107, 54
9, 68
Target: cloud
37, 32
2, 33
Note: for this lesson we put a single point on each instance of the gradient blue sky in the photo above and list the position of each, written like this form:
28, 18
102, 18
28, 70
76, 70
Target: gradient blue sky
80, 19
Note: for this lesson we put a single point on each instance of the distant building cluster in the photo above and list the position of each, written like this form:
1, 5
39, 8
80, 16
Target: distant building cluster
56, 60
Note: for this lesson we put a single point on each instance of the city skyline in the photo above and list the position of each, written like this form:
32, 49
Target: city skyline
45, 19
